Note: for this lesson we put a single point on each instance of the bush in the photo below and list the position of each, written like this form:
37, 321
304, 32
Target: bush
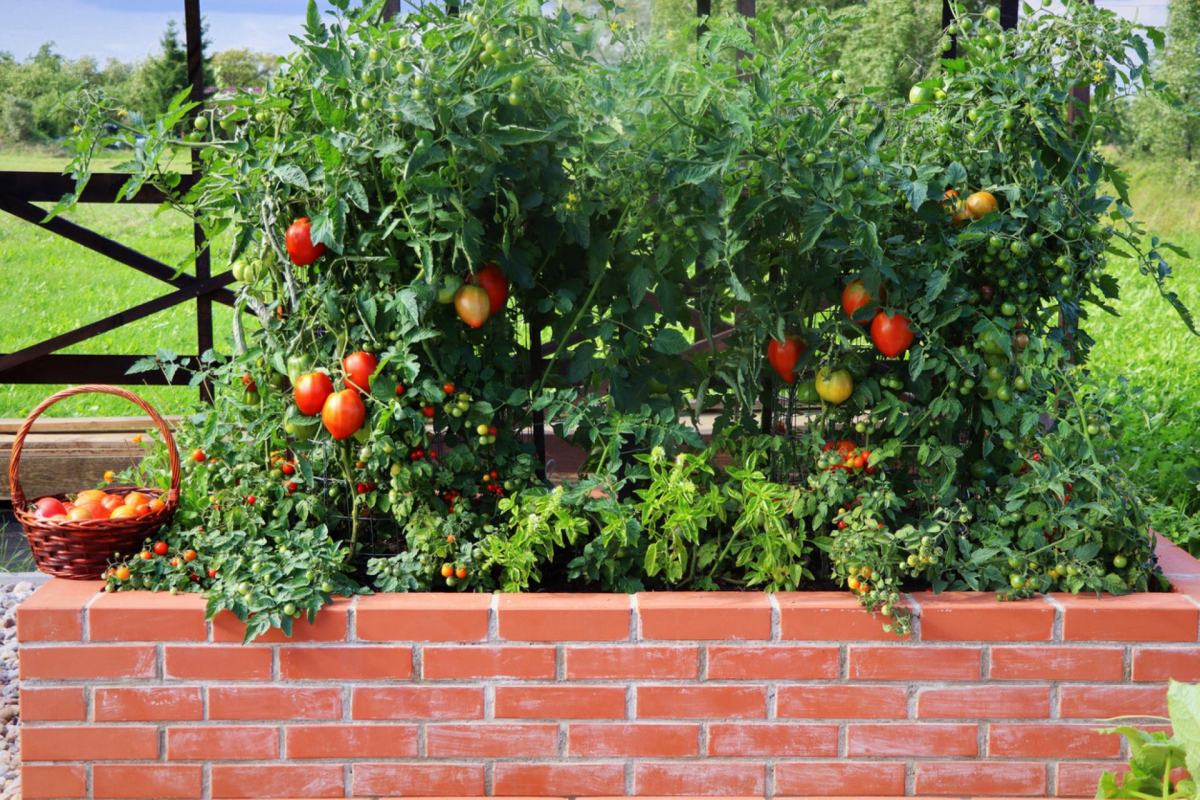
683, 224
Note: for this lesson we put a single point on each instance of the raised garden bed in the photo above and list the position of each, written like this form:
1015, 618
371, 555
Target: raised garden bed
136, 694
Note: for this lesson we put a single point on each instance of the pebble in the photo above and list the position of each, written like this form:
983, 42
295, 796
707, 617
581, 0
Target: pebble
10, 745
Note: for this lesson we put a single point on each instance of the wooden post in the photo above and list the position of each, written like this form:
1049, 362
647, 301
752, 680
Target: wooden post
193, 31
947, 20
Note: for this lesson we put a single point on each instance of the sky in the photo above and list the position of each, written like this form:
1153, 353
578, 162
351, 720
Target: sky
130, 29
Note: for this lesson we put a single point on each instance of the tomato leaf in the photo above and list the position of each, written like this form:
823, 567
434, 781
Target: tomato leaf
670, 341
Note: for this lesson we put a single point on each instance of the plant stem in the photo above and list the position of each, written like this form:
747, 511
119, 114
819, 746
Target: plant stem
353, 498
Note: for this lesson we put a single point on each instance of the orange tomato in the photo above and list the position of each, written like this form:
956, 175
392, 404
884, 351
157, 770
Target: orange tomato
156, 505
123, 512
981, 204
80, 513
111, 502
88, 495
143, 509
94, 510
136, 499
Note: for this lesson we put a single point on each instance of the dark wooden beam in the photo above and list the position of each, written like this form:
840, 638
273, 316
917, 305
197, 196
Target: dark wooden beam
91, 369
49, 187
194, 29
947, 20
1009, 13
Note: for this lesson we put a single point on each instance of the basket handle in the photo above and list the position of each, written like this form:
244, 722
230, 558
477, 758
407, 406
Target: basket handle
14, 481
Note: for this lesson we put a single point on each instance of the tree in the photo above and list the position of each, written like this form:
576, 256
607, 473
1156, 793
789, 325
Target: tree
242, 68
164, 75
1181, 70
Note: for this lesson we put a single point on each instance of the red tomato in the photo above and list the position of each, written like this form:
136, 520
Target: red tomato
50, 507
492, 279
785, 355
198, 455
311, 391
473, 305
111, 502
343, 413
359, 368
854, 297
299, 242
891, 333
160, 548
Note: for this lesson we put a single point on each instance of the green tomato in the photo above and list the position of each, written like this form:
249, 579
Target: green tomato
200, 123
1120, 561
1008, 308
1020, 383
450, 285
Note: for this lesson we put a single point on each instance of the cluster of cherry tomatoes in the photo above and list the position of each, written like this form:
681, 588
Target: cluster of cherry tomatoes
846, 455
97, 504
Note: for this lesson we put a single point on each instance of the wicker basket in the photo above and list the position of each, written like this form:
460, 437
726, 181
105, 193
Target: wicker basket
81, 549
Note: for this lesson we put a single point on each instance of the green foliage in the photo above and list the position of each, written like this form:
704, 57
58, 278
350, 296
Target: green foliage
1172, 129
638, 206
1156, 757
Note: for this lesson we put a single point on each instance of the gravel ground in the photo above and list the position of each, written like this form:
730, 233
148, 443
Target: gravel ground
10, 748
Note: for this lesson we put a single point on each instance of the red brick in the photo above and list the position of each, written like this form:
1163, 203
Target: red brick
53, 704
592, 740
211, 743
984, 702
979, 616
1051, 740
1155, 664
633, 662
503, 740
828, 616
434, 617
1009, 778
217, 663
350, 741
915, 663
840, 778
54, 613
457, 662
1057, 663
419, 780
836, 701
698, 778
702, 701
560, 702
564, 617
147, 704
89, 743
277, 780
1079, 778
58, 780
784, 663
79, 662
147, 617
1101, 702
331, 625
1145, 617
146, 780
417, 702
273, 703
704, 615
779, 739
911, 740
1174, 560
557, 779
357, 663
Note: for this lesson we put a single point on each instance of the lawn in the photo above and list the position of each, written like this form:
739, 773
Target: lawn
69, 286
49, 285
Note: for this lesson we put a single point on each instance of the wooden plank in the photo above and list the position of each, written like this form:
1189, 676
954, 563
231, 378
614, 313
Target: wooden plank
80, 368
52, 425
49, 187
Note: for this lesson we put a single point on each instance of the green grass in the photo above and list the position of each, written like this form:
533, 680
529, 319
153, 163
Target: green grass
49, 286
1149, 346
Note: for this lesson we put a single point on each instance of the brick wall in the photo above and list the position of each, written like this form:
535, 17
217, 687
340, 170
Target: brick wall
136, 695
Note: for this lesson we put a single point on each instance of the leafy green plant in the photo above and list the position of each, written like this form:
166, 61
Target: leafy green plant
1156, 758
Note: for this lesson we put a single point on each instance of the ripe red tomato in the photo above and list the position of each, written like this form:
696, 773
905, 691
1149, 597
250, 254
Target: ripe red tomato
785, 355
492, 279
299, 243
343, 414
287, 468
428, 411
189, 555
160, 548
359, 368
891, 333
473, 305
854, 297
955, 207
50, 507
448, 387
198, 455
311, 391
291, 486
